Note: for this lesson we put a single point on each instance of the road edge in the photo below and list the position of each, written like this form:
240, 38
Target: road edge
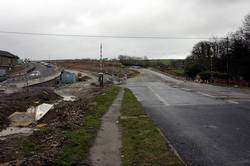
171, 147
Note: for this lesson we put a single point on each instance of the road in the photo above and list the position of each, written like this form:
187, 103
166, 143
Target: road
44, 71
207, 125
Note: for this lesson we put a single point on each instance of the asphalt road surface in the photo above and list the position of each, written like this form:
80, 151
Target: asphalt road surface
207, 125
44, 72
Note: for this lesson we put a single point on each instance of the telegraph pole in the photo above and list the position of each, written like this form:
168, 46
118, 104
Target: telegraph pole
211, 64
100, 75
101, 58
227, 60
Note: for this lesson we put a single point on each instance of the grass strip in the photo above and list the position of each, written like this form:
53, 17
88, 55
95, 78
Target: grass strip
142, 142
79, 141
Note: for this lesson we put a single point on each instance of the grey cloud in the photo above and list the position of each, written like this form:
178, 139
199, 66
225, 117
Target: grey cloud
115, 17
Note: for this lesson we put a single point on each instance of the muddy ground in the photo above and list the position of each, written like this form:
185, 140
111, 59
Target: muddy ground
22, 100
93, 66
45, 145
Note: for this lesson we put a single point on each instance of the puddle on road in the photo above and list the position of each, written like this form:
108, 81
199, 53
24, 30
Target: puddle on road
15, 130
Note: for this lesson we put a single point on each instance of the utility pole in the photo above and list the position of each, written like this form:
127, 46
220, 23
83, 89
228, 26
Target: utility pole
211, 64
211, 68
101, 65
100, 74
27, 80
227, 60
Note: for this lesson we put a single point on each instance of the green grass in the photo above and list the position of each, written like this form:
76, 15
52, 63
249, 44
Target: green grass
163, 61
142, 142
179, 71
130, 106
28, 147
176, 72
79, 141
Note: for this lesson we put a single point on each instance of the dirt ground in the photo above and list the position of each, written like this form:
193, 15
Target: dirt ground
45, 145
22, 100
94, 66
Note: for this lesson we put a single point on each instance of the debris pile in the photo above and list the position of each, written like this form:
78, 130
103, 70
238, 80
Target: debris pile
15, 130
65, 115
21, 119
22, 100
44, 145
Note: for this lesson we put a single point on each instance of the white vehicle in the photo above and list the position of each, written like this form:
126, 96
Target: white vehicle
35, 74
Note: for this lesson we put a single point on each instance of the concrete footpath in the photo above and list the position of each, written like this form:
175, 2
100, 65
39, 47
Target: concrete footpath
106, 150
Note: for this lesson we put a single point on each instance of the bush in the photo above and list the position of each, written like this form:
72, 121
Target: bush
191, 70
206, 75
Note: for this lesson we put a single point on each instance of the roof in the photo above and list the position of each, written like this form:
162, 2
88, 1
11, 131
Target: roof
7, 54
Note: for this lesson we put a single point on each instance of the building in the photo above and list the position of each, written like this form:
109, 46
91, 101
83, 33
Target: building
7, 60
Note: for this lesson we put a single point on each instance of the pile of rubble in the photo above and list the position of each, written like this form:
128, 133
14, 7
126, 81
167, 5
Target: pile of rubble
45, 144
22, 100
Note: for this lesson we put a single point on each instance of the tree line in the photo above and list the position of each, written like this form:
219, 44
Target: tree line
225, 58
134, 61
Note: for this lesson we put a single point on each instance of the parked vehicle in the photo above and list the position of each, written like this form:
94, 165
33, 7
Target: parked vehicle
35, 74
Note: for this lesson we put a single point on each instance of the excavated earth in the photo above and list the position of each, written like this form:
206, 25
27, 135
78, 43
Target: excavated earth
45, 145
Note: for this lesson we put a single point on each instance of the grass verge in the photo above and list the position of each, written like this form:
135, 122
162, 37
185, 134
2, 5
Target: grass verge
142, 142
79, 141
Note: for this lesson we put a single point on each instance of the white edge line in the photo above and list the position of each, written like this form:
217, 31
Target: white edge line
186, 89
232, 102
208, 95
171, 147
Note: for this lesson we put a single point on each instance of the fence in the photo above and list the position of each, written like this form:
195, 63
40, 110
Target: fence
241, 83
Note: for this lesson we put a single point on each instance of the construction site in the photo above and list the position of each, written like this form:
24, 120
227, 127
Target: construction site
37, 106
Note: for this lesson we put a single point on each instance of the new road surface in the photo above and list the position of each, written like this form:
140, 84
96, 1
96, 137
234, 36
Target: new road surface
206, 124
44, 71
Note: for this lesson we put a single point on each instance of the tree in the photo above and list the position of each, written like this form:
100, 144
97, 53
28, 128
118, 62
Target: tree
230, 56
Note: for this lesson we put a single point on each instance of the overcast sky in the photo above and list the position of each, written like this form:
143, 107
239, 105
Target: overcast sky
180, 18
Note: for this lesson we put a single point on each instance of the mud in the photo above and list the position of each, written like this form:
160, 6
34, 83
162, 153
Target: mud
45, 145
22, 100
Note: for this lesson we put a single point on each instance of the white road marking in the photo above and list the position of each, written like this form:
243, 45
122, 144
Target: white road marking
186, 89
159, 97
233, 102
204, 94
211, 126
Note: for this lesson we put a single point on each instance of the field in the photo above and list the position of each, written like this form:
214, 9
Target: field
163, 61
93, 66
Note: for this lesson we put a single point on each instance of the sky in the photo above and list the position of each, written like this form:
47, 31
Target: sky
168, 18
